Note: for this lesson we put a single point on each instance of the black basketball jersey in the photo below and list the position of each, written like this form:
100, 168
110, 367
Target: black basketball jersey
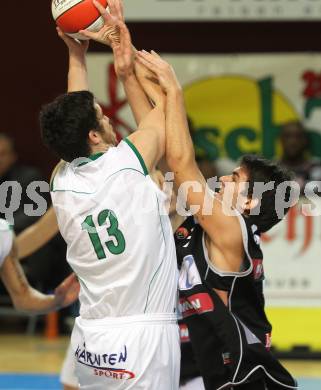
230, 343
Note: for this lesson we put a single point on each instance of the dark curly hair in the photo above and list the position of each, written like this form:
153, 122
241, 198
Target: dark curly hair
261, 170
66, 122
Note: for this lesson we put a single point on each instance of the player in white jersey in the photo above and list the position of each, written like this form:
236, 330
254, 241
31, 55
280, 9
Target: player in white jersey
118, 235
38, 234
24, 297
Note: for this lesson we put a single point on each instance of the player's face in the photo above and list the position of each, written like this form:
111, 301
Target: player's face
234, 188
108, 133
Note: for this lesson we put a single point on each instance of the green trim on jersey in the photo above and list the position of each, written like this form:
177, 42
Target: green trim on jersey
52, 181
93, 157
8, 227
138, 155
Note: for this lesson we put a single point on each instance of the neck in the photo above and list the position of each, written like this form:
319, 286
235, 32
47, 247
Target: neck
100, 148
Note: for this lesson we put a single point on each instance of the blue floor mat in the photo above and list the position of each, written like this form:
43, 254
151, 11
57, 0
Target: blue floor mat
310, 384
29, 382
51, 382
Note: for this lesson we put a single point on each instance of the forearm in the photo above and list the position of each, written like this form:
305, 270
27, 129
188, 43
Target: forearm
34, 302
22, 221
179, 145
25, 245
24, 297
136, 97
77, 75
150, 86
37, 235
34, 238
149, 138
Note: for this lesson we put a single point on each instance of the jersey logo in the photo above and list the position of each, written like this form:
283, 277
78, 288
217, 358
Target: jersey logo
182, 233
184, 333
196, 304
258, 270
268, 341
103, 364
226, 358
114, 374
256, 235
189, 276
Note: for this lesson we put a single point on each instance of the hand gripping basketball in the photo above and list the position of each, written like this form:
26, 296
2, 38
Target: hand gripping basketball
109, 34
74, 15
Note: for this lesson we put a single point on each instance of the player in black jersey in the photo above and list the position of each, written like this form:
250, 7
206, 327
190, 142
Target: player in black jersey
221, 263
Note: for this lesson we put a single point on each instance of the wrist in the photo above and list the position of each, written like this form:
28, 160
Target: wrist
56, 305
77, 63
77, 57
128, 76
175, 91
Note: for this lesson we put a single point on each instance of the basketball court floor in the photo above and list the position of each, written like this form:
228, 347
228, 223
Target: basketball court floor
28, 363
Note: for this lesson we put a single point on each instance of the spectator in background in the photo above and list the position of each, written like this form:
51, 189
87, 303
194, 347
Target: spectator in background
11, 170
47, 267
295, 155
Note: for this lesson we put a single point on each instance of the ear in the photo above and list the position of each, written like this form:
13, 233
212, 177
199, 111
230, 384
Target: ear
94, 137
251, 203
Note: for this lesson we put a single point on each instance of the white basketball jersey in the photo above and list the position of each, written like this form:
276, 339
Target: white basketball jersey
6, 240
119, 237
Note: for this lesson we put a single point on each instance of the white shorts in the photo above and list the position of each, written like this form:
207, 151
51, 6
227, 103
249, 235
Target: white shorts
194, 384
67, 374
136, 352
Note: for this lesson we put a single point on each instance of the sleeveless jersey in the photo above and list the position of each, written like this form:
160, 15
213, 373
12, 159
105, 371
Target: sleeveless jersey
118, 234
230, 343
6, 240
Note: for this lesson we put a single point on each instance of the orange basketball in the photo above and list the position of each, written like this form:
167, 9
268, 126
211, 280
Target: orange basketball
74, 15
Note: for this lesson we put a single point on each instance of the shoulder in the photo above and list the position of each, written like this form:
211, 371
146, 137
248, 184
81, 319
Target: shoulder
131, 157
5, 226
57, 168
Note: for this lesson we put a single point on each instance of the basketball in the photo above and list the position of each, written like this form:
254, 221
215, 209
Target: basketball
74, 15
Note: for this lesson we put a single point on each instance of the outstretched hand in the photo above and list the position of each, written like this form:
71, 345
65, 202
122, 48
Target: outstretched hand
109, 33
149, 82
123, 54
67, 292
162, 70
78, 48
115, 34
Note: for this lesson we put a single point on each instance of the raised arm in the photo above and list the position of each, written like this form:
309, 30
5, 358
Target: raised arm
77, 75
149, 139
137, 82
26, 298
181, 160
37, 235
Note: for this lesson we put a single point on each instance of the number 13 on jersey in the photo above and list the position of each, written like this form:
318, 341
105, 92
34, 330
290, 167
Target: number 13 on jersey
105, 217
